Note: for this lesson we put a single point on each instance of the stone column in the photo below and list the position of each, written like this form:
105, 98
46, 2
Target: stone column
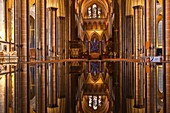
9, 77
52, 85
167, 54
60, 37
21, 39
153, 53
67, 37
40, 55
138, 46
151, 92
129, 71
17, 21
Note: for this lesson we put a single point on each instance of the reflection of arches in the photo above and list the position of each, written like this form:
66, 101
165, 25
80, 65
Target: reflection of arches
95, 43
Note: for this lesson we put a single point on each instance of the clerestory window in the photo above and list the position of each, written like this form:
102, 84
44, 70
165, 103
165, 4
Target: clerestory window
94, 11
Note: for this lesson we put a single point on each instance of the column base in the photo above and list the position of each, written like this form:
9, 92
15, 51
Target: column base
129, 105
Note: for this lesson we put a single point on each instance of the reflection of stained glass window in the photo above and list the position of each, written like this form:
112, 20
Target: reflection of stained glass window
94, 11
90, 101
95, 68
160, 79
100, 101
95, 102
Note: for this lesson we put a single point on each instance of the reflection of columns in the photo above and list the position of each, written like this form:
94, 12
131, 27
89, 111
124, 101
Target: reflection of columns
138, 47
151, 102
24, 52
61, 80
21, 39
38, 56
9, 91
43, 43
153, 53
17, 21
129, 71
52, 78
167, 55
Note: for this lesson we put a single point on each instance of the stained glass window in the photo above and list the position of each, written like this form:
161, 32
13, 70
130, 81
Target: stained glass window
94, 11
94, 45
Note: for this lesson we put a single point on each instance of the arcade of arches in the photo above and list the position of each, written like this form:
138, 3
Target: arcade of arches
85, 56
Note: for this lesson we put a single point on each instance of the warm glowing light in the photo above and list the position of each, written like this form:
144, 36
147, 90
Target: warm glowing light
52, 3
138, 3
2, 35
2, 79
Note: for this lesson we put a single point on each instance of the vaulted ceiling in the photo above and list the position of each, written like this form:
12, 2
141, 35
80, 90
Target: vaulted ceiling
82, 5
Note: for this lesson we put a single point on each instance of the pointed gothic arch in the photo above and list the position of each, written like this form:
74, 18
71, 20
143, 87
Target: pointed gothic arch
95, 43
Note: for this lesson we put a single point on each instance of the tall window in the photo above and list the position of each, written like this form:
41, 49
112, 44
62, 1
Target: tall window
94, 11
160, 33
